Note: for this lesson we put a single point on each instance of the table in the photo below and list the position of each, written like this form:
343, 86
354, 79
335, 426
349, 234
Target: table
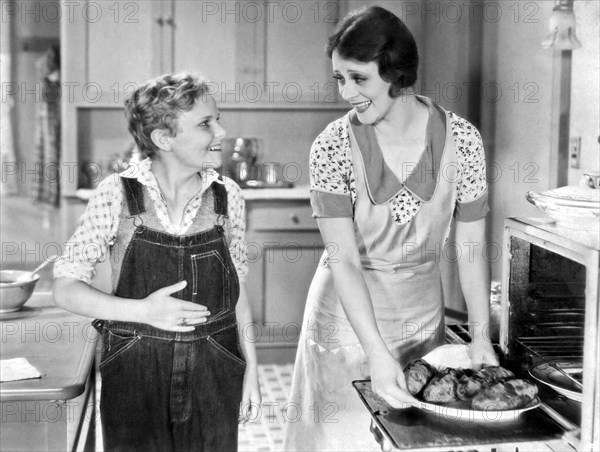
56, 412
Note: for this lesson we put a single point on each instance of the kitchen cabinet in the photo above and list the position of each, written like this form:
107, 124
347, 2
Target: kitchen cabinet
284, 247
117, 45
255, 53
56, 412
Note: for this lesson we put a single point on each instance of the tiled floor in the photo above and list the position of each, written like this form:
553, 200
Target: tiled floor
265, 432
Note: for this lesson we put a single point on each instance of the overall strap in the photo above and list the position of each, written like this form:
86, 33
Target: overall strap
220, 195
134, 196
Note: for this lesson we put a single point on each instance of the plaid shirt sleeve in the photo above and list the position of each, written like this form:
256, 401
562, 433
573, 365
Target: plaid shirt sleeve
95, 232
236, 208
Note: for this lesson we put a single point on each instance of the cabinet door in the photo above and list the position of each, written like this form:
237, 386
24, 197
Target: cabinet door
289, 269
257, 51
296, 66
205, 40
123, 45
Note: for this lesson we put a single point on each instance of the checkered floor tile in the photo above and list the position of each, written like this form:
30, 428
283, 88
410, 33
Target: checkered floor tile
265, 433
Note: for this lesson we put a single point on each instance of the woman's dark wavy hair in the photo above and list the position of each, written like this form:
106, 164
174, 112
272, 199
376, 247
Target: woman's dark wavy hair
376, 34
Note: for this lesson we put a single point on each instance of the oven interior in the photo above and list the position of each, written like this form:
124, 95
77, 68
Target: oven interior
545, 330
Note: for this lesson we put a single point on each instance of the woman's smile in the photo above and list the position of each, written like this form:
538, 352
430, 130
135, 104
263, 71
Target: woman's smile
361, 107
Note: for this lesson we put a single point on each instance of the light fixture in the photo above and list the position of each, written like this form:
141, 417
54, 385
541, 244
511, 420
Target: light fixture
562, 27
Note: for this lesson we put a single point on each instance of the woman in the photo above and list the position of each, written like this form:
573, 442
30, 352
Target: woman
175, 375
387, 180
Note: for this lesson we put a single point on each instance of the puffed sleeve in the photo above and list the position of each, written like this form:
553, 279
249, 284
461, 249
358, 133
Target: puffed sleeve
472, 200
329, 173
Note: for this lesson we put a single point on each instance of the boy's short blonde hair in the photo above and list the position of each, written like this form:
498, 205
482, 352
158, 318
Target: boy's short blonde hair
157, 104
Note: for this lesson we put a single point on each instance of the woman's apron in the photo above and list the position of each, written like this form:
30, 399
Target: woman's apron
401, 271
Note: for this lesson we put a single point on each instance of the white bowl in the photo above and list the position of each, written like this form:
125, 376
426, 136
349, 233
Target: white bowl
14, 294
569, 212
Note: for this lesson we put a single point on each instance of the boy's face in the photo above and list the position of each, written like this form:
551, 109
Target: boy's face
198, 140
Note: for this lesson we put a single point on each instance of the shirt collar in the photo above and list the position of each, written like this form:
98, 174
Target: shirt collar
142, 171
381, 182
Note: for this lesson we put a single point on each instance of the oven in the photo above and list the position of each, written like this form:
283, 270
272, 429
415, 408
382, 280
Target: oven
550, 319
549, 333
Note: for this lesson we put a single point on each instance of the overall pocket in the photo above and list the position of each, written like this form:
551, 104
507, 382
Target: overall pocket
209, 282
227, 345
115, 345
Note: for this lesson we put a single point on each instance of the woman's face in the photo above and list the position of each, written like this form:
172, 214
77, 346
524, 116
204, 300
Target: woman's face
361, 85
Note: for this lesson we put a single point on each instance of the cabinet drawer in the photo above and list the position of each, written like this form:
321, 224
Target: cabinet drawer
277, 218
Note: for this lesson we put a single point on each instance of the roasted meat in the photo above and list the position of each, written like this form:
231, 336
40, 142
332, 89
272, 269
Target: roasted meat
442, 387
468, 385
494, 374
472, 383
505, 395
491, 388
418, 373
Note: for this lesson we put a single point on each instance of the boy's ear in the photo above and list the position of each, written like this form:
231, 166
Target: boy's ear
162, 139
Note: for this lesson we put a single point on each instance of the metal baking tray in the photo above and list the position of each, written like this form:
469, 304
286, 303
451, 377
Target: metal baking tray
414, 429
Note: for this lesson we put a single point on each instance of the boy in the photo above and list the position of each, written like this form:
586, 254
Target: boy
175, 375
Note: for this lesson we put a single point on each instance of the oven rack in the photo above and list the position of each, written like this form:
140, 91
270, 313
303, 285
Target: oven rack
554, 350
550, 349
457, 333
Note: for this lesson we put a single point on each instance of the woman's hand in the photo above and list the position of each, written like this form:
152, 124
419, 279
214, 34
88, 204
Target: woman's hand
482, 353
251, 398
388, 382
169, 313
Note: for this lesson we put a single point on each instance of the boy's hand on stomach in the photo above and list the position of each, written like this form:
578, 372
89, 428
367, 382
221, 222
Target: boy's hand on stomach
172, 314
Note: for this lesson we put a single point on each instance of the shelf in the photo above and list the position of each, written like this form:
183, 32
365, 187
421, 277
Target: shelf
239, 106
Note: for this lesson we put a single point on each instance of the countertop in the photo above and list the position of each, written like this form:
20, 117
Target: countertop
274, 194
59, 344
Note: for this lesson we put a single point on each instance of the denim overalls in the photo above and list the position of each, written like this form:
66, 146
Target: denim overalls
167, 391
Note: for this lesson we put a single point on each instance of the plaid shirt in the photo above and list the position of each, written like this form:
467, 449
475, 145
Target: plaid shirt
99, 224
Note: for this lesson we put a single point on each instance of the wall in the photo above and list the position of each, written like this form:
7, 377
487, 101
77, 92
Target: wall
585, 88
516, 112
7, 147
516, 125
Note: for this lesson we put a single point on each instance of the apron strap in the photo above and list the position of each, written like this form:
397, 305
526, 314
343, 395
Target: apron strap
220, 196
134, 196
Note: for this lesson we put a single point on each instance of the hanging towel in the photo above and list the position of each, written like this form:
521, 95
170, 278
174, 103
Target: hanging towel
47, 129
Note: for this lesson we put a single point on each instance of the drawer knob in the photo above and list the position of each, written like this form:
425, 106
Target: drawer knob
294, 218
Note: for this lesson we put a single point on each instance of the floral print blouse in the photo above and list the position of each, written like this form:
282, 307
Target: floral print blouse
333, 186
